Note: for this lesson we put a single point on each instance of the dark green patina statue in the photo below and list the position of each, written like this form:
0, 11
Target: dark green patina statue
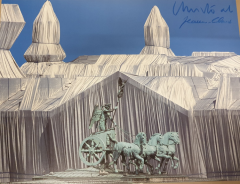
101, 116
101, 145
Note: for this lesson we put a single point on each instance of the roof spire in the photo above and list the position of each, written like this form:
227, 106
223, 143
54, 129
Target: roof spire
45, 45
156, 34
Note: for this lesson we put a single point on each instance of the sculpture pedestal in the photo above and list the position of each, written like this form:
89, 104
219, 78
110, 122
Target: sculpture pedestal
93, 175
156, 178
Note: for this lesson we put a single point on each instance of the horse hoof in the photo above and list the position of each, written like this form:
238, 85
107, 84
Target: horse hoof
116, 171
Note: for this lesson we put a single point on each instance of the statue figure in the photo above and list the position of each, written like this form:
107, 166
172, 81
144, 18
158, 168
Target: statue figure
101, 116
121, 85
150, 151
159, 148
129, 151
167, 147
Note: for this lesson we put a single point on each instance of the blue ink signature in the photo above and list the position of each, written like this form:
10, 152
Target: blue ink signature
208, 9
227, 10
220, 20
190, 21
215, 20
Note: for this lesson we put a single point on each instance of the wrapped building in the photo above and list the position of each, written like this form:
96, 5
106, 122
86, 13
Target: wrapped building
46, 105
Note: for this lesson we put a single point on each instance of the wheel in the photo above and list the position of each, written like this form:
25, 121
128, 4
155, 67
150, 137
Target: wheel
92, 151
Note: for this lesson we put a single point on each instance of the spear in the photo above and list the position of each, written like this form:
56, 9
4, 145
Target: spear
121, 85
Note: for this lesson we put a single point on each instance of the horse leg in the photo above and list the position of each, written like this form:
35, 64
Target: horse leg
149, 166
172, 160
141, 159
177, 163
124, 163
116, 155
165, 157
160, 163
136, 166
165, 165
146, 163
128, 164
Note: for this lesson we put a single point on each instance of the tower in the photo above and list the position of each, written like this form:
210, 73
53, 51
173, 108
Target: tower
11, 25
156, 34
45, 45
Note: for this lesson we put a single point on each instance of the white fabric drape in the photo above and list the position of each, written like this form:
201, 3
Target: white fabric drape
156, 34
11, 25
46, 137
45, 45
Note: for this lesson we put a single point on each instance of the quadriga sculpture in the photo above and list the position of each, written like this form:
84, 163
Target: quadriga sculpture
129, 151
97, 148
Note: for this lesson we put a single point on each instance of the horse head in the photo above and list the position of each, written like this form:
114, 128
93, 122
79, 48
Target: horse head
155, 139
170, 137
141, 138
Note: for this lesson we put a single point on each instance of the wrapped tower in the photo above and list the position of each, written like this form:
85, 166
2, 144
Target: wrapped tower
11, 25
156, 34
45, 45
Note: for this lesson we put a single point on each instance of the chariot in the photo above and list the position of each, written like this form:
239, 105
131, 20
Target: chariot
95, 149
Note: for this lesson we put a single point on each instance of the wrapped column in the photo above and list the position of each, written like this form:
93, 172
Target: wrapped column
156, 34
45, 45
11, 25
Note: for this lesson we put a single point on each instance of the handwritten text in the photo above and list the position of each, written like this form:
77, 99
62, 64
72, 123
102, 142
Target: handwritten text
207, 9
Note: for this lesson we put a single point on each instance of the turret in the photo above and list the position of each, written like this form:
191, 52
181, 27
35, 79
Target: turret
156, 34
45, 45
11, 25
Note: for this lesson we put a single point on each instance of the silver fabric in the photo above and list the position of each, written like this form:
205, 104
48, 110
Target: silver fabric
156, 34
45, 45
11, 25
44, 117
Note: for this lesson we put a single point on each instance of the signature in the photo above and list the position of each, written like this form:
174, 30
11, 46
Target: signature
213, 21
209, 9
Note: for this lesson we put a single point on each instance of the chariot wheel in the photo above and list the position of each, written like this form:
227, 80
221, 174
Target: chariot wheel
92, 151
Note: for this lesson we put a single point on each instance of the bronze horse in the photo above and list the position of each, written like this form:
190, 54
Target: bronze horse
129, 151
160, 148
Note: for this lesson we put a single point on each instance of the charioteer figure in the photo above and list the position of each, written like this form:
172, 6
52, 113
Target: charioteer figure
101, 116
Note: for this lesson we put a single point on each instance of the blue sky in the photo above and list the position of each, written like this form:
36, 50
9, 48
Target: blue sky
94, 27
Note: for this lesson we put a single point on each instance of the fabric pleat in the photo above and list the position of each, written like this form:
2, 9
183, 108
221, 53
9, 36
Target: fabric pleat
45, 45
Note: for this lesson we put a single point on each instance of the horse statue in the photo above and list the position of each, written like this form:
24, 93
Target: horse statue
129, 151
167, 147
149, 151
